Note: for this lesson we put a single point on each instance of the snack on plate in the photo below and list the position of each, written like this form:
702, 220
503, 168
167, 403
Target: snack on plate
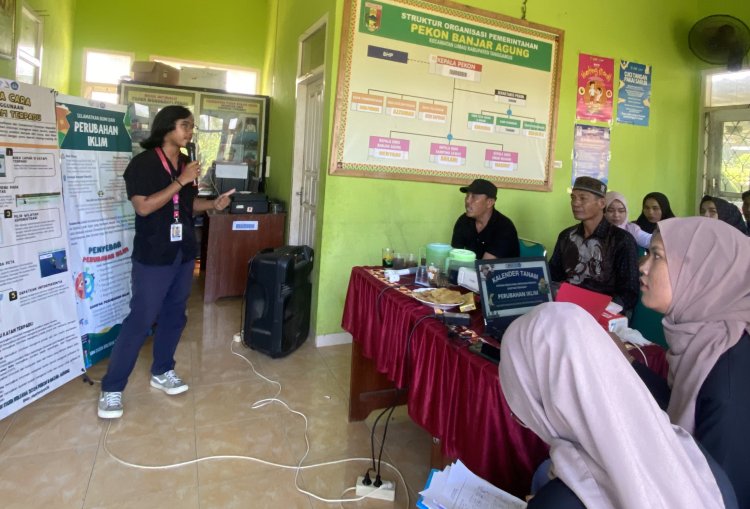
441, 296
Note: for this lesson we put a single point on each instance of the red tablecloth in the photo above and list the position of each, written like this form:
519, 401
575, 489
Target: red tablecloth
452, 393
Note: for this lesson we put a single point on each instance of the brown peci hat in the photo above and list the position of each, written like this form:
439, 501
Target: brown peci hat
591, 185
481, 186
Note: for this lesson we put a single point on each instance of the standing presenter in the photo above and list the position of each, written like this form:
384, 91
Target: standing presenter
160, 185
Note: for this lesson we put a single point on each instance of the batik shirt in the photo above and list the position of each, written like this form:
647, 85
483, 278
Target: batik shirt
605, 262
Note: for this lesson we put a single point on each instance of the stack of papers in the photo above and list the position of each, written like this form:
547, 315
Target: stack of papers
457, 487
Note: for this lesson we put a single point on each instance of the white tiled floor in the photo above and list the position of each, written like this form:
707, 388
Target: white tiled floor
52, 453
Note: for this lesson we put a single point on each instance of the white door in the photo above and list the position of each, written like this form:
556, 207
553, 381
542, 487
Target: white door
308, 142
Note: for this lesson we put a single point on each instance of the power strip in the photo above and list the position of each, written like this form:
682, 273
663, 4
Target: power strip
387, 490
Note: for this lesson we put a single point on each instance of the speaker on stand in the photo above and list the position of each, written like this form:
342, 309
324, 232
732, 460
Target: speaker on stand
277, 300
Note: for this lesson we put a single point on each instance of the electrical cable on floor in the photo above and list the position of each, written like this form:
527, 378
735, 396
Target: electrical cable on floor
299, 467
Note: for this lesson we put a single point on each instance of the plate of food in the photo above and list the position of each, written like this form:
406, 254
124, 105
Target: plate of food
441, 298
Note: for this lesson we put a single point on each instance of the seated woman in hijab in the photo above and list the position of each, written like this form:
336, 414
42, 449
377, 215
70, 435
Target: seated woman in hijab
655, 208
616, 212
611, 446
719, 208
697, 273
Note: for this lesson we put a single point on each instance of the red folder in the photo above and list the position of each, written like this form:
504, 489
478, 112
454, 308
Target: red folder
593, 302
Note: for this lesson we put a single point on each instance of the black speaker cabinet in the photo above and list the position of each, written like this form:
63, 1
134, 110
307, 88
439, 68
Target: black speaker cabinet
277, 300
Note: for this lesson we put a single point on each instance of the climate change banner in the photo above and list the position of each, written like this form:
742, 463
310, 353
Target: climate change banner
95, 149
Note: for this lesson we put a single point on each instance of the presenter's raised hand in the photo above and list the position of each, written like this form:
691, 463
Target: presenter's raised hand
223, 200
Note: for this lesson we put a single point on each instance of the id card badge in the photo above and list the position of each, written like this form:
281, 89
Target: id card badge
175, 232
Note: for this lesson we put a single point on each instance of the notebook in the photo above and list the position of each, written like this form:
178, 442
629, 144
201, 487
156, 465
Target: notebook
509, 288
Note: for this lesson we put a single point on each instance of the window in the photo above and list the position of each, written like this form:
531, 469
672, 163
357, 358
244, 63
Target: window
102, 71
240, 80
29, 55
726, 134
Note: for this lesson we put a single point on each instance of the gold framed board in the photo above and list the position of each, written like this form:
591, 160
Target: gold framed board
441, 92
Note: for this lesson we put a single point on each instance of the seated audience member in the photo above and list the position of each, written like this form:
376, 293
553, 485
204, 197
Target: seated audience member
616, 212
483, 229
696, 273
746, 208
611, 446
594, 254
719, 208
655, 208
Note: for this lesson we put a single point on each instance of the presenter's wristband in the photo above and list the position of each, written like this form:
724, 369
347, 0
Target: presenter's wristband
180, 183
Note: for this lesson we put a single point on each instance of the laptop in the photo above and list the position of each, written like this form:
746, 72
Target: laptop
509, 288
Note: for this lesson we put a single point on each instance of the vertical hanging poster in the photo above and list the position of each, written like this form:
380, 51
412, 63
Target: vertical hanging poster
95, 149
39, 340
634, 97
591, 152
595, 76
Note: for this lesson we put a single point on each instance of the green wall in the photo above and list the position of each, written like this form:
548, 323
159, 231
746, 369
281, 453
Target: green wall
359, 216
57, 16
234, 34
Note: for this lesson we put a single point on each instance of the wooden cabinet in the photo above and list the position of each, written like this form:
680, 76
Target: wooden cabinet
231, 240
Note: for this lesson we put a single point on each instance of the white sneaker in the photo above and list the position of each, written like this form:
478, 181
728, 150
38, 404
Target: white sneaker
169, 382
110, 405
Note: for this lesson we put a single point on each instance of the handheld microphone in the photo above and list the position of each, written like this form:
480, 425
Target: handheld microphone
192, 155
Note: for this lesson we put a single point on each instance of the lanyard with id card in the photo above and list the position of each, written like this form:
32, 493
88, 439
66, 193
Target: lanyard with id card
175, 229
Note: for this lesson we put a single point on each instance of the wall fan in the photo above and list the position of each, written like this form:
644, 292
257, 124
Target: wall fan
720, 39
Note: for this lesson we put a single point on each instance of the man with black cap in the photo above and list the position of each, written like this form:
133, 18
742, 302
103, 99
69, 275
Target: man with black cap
595, 254
483, 229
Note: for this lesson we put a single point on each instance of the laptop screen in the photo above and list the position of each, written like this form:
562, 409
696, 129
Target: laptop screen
511, 287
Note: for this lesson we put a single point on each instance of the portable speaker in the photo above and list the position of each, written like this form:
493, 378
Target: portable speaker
277, 300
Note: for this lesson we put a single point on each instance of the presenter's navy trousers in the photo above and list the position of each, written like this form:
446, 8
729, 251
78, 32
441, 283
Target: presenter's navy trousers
159, 295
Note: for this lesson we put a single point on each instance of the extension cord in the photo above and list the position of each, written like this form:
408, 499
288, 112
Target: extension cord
387, 490
237, 337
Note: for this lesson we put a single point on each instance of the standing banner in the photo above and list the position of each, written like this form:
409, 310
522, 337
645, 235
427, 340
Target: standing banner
95, 149
591, 152
595, 78
40, 348
634, 97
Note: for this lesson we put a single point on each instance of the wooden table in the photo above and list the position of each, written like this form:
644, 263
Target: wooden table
228, 249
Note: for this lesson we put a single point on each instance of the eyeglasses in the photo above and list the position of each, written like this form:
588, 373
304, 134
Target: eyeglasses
188, 126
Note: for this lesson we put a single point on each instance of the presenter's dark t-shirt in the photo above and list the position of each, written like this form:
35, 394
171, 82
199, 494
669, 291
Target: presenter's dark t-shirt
144, 176
499, 237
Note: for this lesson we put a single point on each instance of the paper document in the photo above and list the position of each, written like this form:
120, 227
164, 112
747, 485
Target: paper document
456, 487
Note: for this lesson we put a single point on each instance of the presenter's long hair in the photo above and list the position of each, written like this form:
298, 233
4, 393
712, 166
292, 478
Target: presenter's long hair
164, 122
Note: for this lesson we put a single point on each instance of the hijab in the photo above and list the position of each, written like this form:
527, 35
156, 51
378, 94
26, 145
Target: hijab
708, 264
642, 238
609, 441
666, 211
728, 212
615, 196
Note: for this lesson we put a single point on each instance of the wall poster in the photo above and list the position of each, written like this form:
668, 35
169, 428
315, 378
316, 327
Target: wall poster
634, 98
95, 149
591, 152
442, 92
595, 89
40, 348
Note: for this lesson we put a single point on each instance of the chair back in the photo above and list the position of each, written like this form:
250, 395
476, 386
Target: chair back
530, 248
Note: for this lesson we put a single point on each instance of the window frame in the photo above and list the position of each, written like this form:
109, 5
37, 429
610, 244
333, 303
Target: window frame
89, 87
22, 56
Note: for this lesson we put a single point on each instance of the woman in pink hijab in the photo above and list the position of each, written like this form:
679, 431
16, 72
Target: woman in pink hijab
698, 274
611, 446
616, 212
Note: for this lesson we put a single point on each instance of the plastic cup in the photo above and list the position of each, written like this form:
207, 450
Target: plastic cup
387, 257
398, 261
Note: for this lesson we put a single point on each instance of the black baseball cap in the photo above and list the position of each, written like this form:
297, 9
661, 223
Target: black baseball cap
591, 185
481, 186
